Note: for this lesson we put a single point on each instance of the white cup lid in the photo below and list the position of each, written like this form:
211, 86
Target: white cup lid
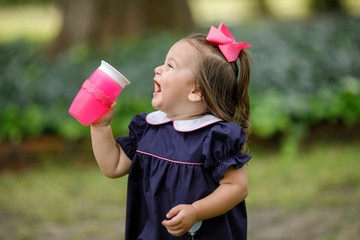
114, 74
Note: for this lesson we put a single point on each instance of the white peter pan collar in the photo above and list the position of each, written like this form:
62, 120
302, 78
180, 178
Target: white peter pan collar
158, 118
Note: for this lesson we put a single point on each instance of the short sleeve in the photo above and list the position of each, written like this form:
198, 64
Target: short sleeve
222, 147
136, 130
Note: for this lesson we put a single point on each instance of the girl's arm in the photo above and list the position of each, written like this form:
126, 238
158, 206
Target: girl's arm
112, 160
232, 190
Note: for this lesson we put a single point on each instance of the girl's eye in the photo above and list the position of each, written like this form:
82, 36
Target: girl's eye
169, 65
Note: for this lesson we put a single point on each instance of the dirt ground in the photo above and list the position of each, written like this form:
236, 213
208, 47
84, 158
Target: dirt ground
340, 223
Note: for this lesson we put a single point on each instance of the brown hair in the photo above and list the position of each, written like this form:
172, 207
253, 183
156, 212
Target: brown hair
225, 93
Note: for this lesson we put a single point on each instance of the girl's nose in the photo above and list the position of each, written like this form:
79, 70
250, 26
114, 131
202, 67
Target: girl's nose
158, 70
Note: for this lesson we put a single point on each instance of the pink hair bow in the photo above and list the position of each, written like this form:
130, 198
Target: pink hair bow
227, 44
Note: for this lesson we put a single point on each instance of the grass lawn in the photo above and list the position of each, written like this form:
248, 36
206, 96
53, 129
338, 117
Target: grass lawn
320, 175
66, 200
32, 23
61, 201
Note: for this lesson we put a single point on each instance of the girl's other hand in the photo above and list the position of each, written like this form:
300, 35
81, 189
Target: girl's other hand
181, 219
105, 119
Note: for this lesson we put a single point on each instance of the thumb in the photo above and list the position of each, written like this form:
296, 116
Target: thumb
109, 113
112, 107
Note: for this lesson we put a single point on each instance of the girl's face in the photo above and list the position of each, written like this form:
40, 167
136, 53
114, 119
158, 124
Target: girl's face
174, 81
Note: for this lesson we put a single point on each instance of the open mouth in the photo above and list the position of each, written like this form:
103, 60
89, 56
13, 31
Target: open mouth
157, 87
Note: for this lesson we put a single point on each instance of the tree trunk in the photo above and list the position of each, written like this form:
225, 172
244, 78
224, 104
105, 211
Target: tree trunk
326, 5
96, 22
263, 8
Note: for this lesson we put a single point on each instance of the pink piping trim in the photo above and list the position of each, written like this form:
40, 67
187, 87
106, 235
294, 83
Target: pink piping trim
168, 159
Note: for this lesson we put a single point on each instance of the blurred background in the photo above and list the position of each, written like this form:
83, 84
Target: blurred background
305, 110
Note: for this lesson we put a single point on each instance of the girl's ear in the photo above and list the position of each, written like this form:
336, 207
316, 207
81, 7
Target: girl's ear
195, 95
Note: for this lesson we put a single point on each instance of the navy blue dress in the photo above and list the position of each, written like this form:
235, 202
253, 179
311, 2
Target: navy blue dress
180, 162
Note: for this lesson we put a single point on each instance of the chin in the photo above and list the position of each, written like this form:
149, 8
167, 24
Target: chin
154, 104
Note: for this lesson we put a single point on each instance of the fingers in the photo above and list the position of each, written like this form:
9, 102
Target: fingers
175, 226
177, 232
172, 223
105, 119
182, 217
174, 211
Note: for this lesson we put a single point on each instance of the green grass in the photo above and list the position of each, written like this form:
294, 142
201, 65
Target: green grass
32, 23
55, 197
72, 201
321, 175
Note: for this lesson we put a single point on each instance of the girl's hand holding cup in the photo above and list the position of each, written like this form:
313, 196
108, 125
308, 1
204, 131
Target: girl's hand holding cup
105, 119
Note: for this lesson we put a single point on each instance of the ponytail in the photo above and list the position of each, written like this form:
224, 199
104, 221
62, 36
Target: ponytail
242, 114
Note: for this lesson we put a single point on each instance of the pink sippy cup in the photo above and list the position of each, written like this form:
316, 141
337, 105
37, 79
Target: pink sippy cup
97, 94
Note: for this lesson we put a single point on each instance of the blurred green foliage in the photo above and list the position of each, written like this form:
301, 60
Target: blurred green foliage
36, 93
304, 73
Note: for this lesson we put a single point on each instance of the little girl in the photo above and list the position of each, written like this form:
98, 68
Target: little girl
185, 161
